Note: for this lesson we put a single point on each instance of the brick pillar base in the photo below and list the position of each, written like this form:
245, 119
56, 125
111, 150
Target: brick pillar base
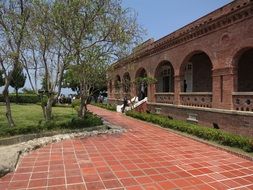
223, 86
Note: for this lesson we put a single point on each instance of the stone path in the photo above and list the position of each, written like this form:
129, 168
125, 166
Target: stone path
145, 157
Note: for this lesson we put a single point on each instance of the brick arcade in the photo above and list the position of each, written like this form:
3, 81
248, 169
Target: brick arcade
203, 71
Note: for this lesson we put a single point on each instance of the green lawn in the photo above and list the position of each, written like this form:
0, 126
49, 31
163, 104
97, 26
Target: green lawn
30, 114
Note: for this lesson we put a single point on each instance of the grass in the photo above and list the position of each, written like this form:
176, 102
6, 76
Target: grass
29, 119
31, 114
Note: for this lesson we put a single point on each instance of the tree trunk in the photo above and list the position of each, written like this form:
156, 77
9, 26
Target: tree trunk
44, 111
48, 108
16, 90
48, 112
81, 111
8, 108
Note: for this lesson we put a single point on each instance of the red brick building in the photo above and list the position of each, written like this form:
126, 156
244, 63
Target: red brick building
203, 71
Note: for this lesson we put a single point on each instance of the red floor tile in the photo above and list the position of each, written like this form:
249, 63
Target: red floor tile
56, 181
144, 179
18, 177
61, 187
128, 182
76, 187
74, 179
17, 185
122, 174
135, 188
95, 185
167, 185
112, 184
37, 183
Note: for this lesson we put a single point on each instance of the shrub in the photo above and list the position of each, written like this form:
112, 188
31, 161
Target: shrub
76, 104
22, 98
219, 136
90, 120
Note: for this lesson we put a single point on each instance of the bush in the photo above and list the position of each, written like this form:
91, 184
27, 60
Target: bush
22, 98
105, 106
76, 104
206, 133
90, 120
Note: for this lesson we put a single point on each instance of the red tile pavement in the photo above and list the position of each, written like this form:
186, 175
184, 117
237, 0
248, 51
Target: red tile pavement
145, 157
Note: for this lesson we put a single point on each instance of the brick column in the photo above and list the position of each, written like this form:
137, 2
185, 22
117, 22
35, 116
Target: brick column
177, 88
151, 92
223, 86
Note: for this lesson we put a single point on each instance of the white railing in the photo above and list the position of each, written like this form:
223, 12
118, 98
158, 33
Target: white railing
133, 103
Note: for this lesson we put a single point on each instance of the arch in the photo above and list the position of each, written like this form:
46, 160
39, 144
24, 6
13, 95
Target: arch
196, 71
126, 83
243, 64
141, 72
164, 75
141, 87
117, 83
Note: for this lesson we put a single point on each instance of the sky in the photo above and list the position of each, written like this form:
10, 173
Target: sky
161, 17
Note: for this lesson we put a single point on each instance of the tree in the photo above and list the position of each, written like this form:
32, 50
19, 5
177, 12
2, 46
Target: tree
91, 76
18, 80
45, 54
70, 81
96, 30
14, 16
1, 78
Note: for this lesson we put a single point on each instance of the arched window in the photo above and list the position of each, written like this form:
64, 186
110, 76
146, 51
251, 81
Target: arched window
126, 83
165, 77
197, 73
117, 83
245, 71
141, 88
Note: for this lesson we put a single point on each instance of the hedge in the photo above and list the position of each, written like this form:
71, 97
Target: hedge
206, 133
105, 106
22, 98
89, 120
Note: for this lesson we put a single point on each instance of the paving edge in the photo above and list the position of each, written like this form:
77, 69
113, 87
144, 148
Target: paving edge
246, 157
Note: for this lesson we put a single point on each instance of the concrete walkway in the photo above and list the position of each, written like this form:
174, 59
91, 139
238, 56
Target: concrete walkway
145, 157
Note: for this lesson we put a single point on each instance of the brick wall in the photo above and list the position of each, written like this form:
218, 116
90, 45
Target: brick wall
232, 122
141, 108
